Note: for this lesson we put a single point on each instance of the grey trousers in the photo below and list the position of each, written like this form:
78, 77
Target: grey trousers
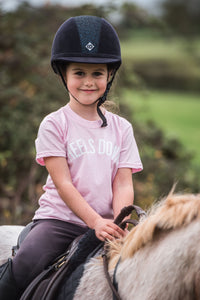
45, 242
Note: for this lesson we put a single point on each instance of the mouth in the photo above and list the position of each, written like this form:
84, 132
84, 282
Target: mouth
88, 91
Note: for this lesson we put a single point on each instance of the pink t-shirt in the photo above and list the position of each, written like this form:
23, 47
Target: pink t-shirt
93, 154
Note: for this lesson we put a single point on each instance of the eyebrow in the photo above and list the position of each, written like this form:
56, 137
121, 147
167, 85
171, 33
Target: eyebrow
96, 70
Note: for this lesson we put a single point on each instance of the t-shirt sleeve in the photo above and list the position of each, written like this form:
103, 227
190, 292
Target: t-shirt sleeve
129, 155
50, 140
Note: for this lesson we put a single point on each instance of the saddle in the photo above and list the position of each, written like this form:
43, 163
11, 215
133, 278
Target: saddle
45, 286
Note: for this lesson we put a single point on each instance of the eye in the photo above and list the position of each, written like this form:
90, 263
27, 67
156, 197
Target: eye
97, 74
79, 73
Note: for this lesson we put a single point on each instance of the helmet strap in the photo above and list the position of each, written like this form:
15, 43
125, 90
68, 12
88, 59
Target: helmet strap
61, 75
100, 100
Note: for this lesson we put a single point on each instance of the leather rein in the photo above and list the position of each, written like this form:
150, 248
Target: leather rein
122, 224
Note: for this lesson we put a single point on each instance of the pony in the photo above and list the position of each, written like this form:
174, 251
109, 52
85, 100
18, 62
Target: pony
9, 235
158, 259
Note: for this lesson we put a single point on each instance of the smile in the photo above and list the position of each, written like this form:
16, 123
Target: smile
88, 91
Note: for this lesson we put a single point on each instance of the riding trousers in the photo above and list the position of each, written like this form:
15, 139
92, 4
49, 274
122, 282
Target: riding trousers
47, 239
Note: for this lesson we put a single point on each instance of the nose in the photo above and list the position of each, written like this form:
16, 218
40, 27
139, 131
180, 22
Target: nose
89, 81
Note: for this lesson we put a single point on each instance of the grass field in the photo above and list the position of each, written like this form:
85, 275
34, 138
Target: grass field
176, 113
150, 46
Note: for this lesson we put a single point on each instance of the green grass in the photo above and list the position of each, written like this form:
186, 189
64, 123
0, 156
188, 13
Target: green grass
156, 47
144, 50
176, 113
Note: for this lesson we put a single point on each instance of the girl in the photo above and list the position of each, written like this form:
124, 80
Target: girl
90, 153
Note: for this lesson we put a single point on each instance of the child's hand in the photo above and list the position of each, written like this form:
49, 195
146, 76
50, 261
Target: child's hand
106, 229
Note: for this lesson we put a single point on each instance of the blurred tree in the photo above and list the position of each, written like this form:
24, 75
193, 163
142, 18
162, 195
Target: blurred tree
132, 17
182, 16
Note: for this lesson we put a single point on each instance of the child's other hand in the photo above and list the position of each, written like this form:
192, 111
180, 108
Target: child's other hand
106, 229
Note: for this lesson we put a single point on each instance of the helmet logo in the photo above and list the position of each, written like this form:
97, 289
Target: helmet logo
89, 46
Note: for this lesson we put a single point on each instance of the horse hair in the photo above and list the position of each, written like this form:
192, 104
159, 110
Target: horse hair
170, 213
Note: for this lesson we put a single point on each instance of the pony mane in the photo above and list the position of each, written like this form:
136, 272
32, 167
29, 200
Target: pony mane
173, 212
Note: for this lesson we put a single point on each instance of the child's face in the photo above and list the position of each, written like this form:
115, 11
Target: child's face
86, 82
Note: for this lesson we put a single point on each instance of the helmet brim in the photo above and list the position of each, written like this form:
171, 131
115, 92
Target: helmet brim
115, 61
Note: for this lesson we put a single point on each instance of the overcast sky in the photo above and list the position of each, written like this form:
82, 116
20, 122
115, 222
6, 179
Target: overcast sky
151, 5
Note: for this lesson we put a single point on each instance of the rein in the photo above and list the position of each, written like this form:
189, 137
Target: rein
122, 224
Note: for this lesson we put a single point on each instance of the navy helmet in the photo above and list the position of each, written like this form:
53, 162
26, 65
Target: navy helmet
87, 39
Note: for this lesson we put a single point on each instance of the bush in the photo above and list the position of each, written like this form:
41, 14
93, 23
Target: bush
168, 74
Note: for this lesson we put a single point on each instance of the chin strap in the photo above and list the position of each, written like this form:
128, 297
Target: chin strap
101, 115
61, 75
100, 101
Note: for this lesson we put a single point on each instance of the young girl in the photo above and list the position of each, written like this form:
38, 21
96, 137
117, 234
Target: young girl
90, 153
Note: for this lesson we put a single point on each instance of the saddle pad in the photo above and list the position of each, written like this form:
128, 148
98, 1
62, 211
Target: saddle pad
70, 284
46, 285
